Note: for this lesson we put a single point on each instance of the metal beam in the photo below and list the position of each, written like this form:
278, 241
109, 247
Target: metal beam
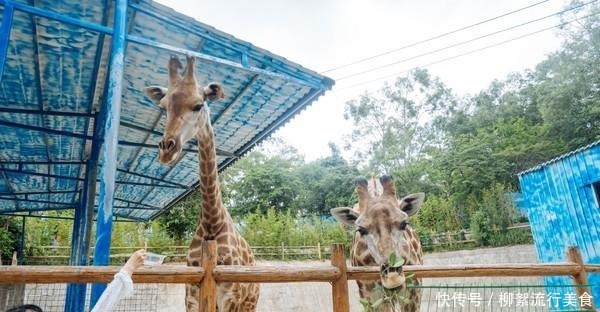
42, 162
24, 209
234, 101
116, 219
58, 17
37, 193
46, 175
7, 19
155, 146
55, 176
45, 113
37, 201
152, 178
143, 41
310, 96
220, 152
110, 123
210, 58
42, 129
87, 137
288, 76
136, 203
84, 212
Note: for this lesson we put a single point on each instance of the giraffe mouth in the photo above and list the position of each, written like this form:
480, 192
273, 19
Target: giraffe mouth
393, 280
392, 277
169, 157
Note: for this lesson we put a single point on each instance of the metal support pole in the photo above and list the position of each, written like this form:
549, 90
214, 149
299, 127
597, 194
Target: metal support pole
7, 18
82, 228
110, 123
21, 253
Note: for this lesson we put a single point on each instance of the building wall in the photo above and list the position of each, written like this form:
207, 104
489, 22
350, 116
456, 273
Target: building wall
563, 209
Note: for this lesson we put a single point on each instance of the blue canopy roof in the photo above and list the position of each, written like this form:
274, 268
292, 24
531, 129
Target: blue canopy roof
53, 84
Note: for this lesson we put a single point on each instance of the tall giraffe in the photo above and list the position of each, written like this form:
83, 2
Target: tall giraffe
188, 116
382, 228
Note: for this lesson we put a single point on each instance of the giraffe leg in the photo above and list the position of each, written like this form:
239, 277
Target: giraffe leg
251, 301
192, 293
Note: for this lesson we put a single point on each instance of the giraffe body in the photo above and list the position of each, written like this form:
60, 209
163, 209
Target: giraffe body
382, 229
188, 116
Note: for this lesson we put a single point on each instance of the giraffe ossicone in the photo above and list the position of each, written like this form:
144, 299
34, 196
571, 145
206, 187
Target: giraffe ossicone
188, 116
383, 232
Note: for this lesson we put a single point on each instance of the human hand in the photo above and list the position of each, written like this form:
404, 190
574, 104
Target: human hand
135, 261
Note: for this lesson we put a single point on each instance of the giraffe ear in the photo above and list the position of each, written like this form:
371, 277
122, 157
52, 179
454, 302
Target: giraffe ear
213, 91
411, 204
156, 93
345, 215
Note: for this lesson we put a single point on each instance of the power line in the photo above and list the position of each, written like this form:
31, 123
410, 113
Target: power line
462, 42
432, 38
470, 52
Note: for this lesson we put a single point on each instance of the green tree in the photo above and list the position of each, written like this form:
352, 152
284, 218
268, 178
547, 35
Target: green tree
9, 237
327, 183
180, 221
398, 125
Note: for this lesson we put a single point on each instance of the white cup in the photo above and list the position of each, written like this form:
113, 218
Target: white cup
153, 259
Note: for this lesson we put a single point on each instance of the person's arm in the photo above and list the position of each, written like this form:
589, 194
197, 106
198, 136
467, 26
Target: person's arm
121, 285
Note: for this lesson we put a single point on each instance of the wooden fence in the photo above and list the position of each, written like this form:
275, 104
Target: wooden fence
210, 274
61, 254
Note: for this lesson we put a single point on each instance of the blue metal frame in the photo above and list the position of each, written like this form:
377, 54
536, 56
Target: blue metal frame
220, 152
46, 113
37, 193
42, 129
244, 55
40, 201
288, 77
7, 17
152, 178
110, 123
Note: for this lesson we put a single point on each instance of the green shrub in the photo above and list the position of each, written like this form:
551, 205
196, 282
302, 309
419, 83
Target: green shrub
480, 228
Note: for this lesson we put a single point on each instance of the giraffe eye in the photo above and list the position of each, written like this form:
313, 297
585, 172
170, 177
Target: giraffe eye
403, 225
197, 107
362, 231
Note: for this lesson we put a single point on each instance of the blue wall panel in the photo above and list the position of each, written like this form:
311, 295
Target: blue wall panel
564, 211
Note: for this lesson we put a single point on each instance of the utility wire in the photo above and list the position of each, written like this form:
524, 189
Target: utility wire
433, 38
471, 51
462, 42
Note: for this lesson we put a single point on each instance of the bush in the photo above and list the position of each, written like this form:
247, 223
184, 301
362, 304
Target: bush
275, 228
9, 235
512, 237
480, 228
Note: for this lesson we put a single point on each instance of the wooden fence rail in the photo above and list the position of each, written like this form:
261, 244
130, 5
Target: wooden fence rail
210, 274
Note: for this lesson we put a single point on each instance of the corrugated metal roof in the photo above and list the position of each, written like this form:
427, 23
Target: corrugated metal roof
553, 160
54, 81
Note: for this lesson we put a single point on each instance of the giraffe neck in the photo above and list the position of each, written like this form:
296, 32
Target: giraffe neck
213, 213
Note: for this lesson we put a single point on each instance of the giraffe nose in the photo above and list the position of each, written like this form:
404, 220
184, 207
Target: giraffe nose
167, 144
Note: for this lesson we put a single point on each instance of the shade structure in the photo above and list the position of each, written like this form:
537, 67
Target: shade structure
54, 58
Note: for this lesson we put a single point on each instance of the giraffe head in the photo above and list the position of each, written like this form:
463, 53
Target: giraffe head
382, 222
185, 104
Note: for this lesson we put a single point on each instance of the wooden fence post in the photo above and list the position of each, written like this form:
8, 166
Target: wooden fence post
208, 286
319, 251
339, 287
282, 251
580, 278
